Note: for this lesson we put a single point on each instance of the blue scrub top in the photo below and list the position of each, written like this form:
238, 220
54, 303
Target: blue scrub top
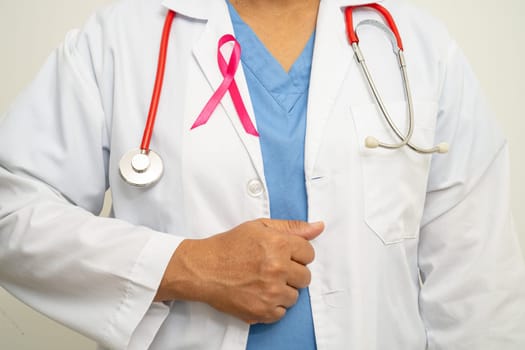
280, 101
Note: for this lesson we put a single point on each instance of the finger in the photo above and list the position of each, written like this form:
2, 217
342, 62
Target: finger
275, 316
289, 297
302, 229
299, 276
301, 250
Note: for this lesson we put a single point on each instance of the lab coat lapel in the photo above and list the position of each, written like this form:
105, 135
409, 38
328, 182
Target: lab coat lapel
333, 62
205, 53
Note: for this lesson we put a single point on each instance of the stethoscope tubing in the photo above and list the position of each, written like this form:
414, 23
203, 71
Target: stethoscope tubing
377, 96
142, 167
392, 31
159, 81
350, 27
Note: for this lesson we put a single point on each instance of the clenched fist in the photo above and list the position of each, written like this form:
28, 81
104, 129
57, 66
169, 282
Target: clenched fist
253, 271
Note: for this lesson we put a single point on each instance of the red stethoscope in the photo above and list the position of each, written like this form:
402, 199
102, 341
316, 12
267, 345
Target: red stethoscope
143, 167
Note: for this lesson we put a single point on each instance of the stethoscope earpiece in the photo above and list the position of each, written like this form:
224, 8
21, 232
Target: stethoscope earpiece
443, 147
371, 142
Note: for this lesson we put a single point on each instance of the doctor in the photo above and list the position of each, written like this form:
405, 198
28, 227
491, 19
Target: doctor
402, 250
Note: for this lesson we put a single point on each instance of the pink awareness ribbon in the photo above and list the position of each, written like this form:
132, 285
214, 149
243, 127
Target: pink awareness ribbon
228, 71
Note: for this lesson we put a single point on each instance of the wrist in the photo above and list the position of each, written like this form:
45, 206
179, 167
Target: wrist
179, 281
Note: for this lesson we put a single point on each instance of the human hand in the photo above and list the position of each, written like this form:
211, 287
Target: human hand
252, 272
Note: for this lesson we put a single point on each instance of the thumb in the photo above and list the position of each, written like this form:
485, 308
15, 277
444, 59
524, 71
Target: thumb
302, 229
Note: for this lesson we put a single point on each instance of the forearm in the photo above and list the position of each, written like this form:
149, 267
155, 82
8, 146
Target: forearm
66, 262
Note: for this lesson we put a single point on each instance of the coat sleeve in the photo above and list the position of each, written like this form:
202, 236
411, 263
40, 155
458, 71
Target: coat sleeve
472, 271
95, 275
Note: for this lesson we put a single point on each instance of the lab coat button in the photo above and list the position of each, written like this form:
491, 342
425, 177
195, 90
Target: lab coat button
255, 188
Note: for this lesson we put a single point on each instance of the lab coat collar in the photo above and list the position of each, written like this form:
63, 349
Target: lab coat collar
333, 53
201, 9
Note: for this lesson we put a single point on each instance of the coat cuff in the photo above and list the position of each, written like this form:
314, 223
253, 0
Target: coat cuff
137, 318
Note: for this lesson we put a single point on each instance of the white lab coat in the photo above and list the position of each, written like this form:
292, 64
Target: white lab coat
418, 252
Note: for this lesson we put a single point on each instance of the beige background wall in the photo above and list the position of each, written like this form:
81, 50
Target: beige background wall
491, 33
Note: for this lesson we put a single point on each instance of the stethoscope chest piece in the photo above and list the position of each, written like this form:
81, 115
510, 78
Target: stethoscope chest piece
141, 168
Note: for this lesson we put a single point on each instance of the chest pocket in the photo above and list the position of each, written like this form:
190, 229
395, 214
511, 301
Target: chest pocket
394, 181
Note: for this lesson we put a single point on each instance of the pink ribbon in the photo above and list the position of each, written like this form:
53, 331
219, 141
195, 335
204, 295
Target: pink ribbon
228, 71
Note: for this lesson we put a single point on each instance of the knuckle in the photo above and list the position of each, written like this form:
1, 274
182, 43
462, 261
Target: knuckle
269, 295
308, 252
294, 225
274, 292
294, 296
273, 315
259, 310
278, 240
282, 247
307, 278
278, 313
264, 310
302, 278
272, 241
311, 251
274, 269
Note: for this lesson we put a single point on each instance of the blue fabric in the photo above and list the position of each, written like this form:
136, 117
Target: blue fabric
280, 100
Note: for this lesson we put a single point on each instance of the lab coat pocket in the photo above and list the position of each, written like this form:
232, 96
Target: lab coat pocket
394, 180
